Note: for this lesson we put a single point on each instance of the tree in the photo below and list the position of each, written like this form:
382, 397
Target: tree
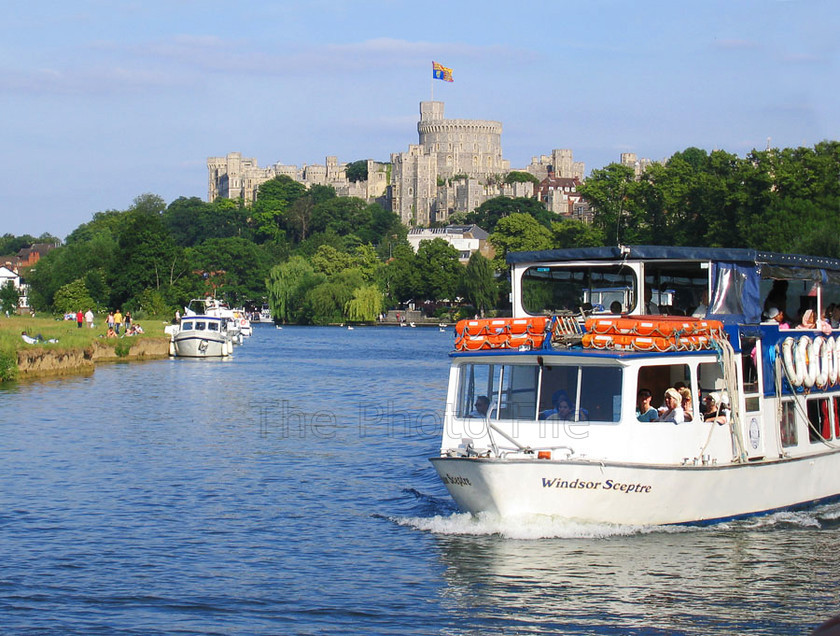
516, 233
488, 214
287, 285
9, 297
366, 305
479, 284
240, 264
357, 170
516, 176
274, 198
606, 191
146, 257
400, 278
73, 297
573, 233
439, 268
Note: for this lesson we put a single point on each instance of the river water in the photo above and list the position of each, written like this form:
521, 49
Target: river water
287, 491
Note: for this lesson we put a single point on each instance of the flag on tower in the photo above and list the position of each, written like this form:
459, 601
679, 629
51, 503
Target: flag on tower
439, 71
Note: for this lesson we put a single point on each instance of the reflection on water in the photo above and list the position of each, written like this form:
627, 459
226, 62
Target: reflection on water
537, 575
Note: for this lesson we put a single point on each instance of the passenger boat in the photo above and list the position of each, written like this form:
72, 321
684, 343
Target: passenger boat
595, 326
201, 336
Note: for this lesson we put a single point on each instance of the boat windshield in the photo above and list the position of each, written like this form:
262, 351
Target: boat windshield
530, 392
186, 325
553, 289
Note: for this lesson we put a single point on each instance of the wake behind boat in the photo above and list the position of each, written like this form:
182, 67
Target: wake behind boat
542, 408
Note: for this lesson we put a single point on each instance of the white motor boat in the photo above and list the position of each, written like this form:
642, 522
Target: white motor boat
236, 325
542, 415
201, 336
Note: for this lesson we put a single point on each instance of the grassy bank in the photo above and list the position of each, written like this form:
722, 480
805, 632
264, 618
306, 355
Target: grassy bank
68, 336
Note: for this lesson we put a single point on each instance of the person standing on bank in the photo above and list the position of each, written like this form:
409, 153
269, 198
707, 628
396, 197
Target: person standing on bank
118, 318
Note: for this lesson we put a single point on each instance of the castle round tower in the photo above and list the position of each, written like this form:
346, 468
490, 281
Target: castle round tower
462, 146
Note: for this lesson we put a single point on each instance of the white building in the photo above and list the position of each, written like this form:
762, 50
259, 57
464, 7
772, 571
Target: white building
467, 239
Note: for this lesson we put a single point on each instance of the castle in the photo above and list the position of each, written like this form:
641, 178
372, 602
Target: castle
456, 166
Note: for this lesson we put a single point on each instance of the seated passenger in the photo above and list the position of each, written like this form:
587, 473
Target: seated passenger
701, 309
556, 397
651, 308
482, 403
685, 403
716, 409
644, 411
672, 411
809, 320
777, 316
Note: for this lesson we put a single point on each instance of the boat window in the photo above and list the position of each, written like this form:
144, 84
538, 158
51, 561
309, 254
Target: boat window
709, 378
660, 377
213, 326
186, 326
788, 424
678, 288
819, 420
749, 368
547, 290
511, 390
597, 389
200, 325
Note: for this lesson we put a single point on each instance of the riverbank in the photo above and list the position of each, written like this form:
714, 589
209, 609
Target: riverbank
64, 349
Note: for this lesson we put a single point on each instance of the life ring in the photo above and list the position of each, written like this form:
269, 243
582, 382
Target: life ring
788, 347
807, 369
818, 361
243, 323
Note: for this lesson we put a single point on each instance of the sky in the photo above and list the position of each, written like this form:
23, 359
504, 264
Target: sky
104, 101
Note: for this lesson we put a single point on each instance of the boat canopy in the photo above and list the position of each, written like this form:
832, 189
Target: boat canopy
735, 274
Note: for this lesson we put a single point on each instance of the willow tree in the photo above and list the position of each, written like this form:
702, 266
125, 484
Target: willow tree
366, 305
287, 285
479, 284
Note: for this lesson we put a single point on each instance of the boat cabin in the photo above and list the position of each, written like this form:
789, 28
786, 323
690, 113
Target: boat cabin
593, 328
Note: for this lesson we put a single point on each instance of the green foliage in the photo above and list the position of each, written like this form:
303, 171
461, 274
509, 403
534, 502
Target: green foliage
236, 268
9, 297
516, 176
73, 297
479, 284
367, 303
152, 302
489, 213
439, 268
287, 285
572, 233
518, 233
8, 365
122, 347
357, 170
10, 244
146, 258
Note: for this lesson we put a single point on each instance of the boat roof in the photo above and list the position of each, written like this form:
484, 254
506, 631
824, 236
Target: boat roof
662, 252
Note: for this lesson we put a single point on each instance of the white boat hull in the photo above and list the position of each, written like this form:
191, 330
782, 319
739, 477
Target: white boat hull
193, 345
628, 494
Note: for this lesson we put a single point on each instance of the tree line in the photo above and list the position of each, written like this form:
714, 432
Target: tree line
318, 258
